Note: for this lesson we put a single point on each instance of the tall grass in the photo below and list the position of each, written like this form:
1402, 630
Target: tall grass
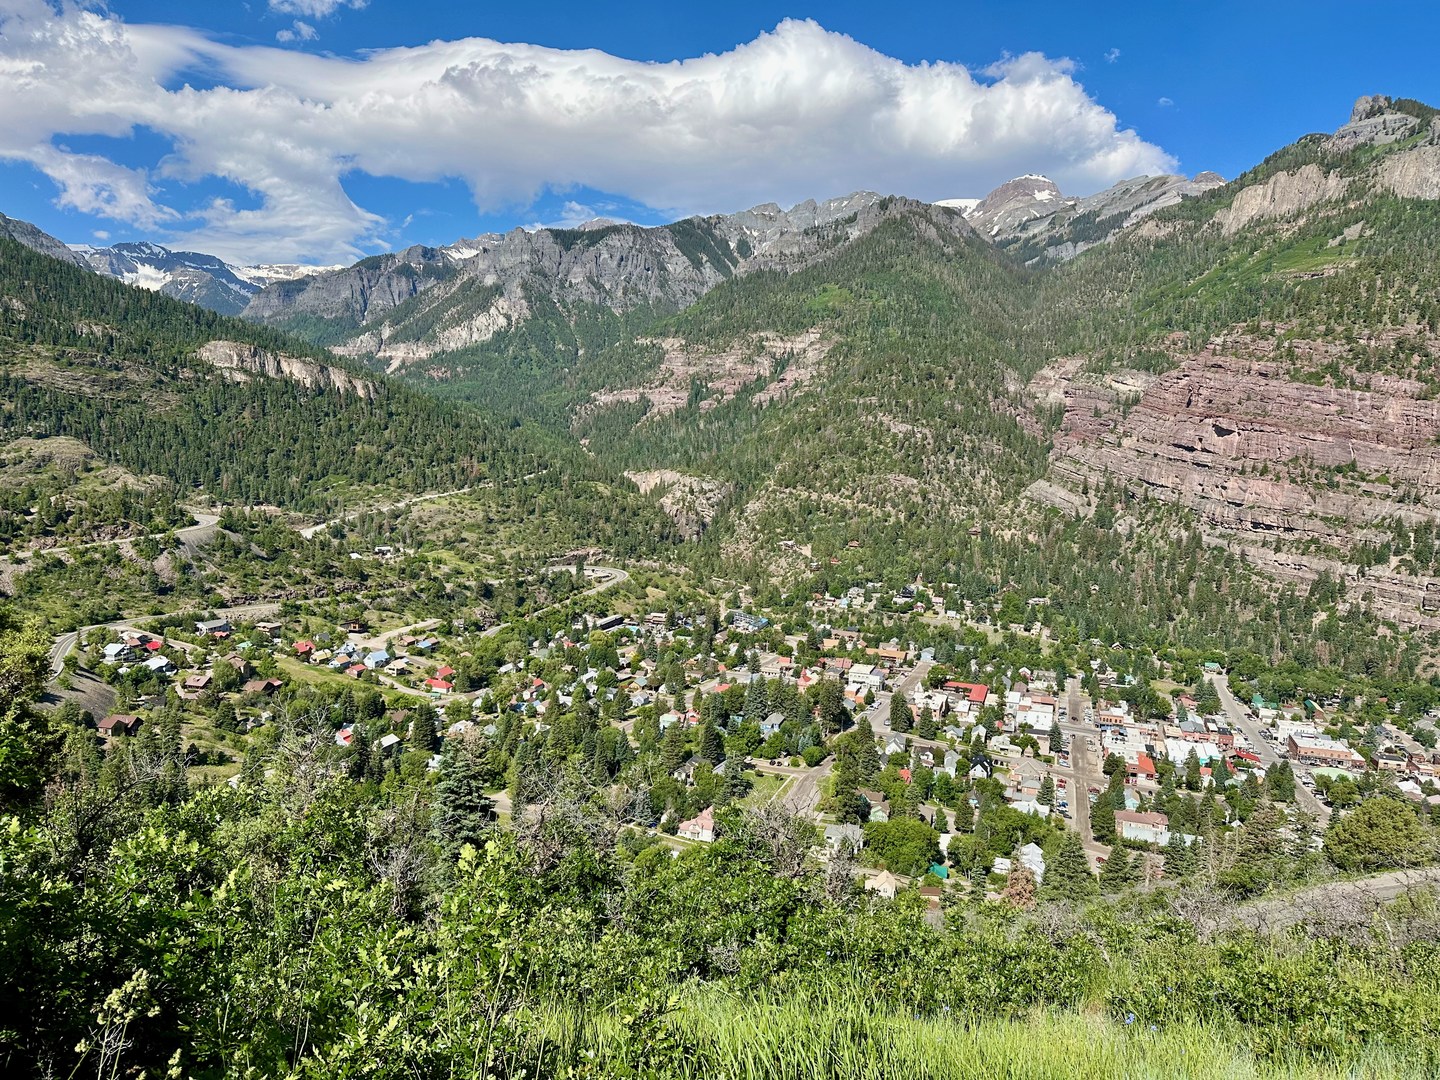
710, 1035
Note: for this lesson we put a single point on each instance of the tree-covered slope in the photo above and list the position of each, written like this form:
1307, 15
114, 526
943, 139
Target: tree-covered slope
241, 412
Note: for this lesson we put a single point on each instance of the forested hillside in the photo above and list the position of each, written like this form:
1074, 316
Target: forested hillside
208, 407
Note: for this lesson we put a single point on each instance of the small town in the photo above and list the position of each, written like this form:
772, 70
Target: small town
719, 542
927, 767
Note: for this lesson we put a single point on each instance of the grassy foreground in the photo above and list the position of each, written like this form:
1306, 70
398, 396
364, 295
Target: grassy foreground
715, 1036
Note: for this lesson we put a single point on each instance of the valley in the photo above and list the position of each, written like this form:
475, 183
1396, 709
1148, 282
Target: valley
876, 613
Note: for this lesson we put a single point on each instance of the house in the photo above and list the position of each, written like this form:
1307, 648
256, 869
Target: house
239, 663
884, 884
895, 744
746, 623
838, 836
685, 774
701, 827
269, 629
213, 627
161, 665
265, 687
1031, 857
118, 724
356, 670
444, 671
356, 626
952, 762
377, 659
303, 648
879, 805
196, 684
771, 724
439, 685
389, 742
1152, 828
117, 652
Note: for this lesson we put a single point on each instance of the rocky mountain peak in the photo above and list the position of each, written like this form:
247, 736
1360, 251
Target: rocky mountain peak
1369, 105
1015, 202
1374, 122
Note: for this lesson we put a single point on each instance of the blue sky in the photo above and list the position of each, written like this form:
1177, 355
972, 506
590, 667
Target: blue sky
321, 130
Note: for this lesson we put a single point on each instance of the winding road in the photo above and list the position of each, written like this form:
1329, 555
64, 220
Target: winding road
199, 533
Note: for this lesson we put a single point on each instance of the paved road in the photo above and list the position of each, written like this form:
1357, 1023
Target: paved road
880, 711
380, 641
65, 643
1086, 765
802, 792
1263, 748
1339, 900
191, 535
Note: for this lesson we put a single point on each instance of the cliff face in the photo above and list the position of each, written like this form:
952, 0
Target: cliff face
1297, 473
242, 362
1281, 196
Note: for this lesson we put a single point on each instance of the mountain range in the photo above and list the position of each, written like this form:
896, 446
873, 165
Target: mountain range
205, 280
1208, 394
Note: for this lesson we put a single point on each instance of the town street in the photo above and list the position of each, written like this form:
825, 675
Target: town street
1262, 746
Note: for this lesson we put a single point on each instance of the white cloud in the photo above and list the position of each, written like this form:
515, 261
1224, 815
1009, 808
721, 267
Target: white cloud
1164, 103
95, 185
299, 31
574, 214
101, 234
313, 9
1111, 55
799, 112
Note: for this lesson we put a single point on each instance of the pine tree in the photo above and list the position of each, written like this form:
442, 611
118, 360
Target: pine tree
1192, 771
925, 726
1102, 819
1047, 791
901, 718
712, 749
672, 747
1116, 873
1067, 875
423, 736
1179, 859
867, 753
462, 809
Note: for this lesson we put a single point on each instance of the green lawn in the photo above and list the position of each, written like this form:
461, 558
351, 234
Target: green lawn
767, 786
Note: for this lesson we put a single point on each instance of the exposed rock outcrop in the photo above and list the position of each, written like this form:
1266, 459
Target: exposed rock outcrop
242, 362
1230, 434
1031, 215
1280, 196
691, 501
1372, 122
22, 232
782, 363
1412, 174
